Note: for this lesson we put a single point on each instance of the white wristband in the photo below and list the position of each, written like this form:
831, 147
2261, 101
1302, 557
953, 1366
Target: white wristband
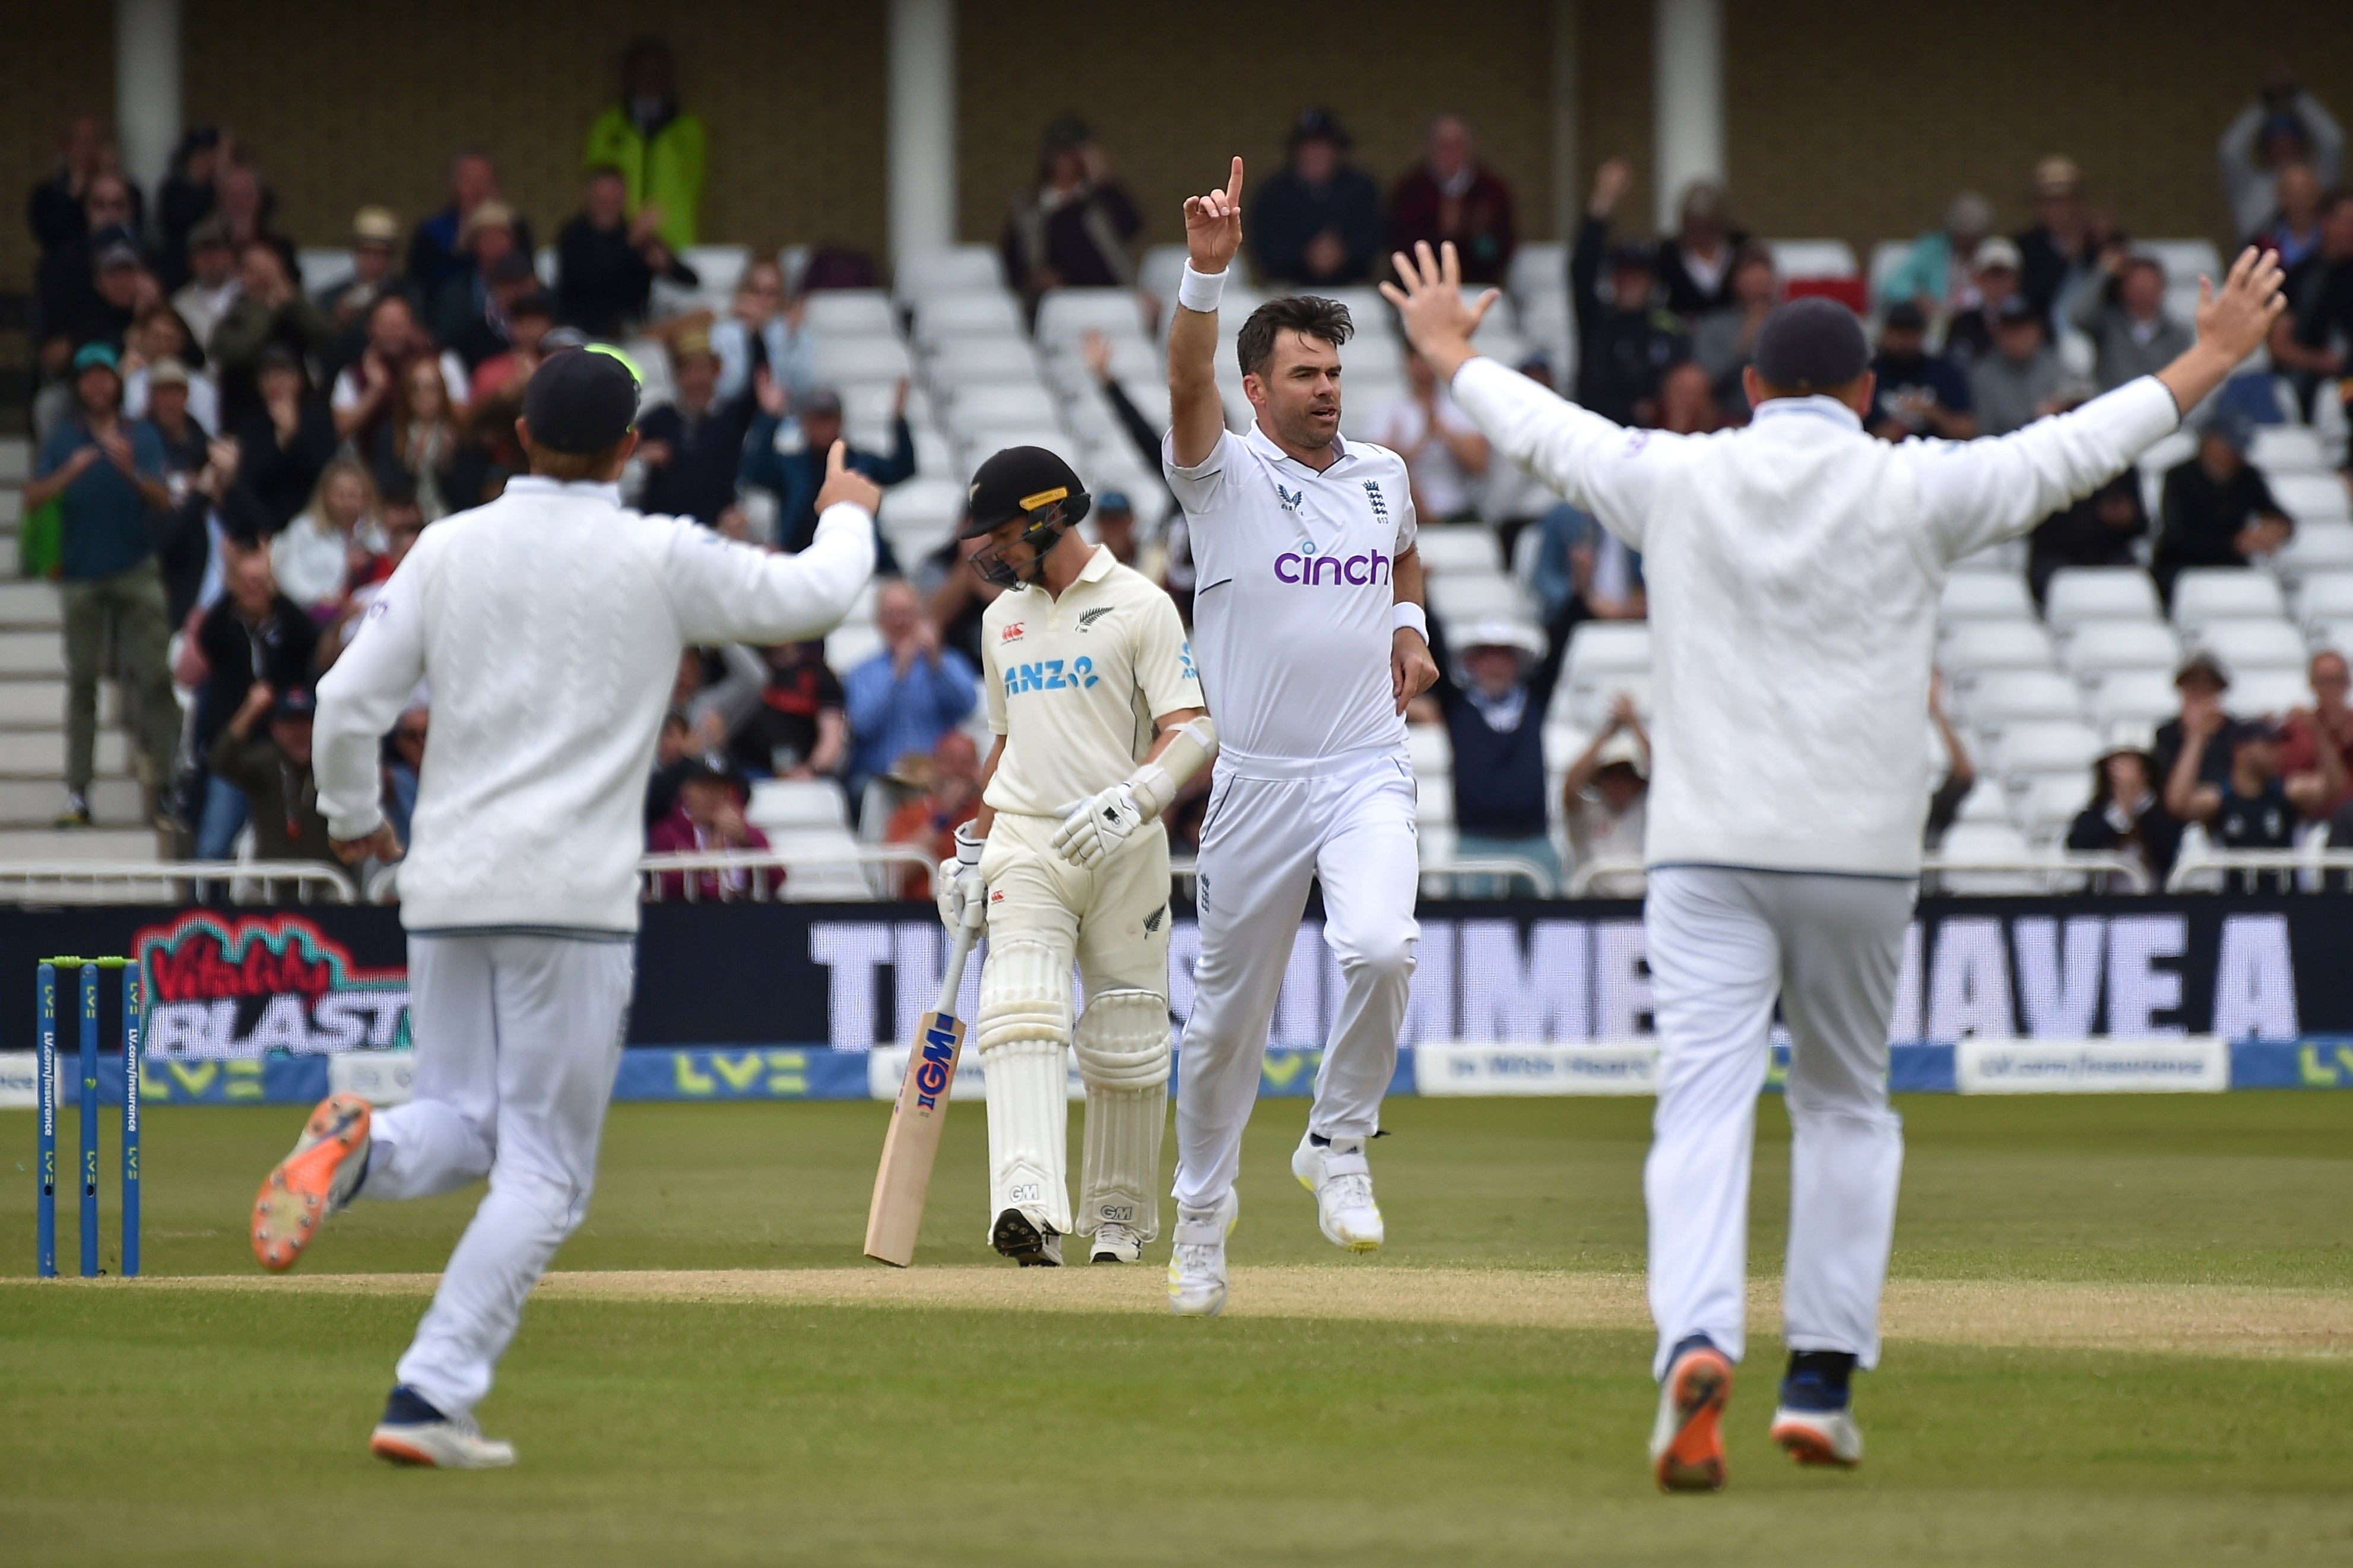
1201, 291
1409, 613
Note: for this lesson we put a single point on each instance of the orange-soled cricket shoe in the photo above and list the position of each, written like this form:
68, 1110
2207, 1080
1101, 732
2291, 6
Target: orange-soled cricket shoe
317, 1178
1687, 1444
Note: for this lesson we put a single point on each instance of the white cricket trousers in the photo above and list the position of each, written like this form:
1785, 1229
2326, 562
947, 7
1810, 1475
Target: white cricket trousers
1722, 944
1262, 840
517, 1039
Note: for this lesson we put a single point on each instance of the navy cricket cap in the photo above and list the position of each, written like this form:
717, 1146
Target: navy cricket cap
1017, 481
581, 400
1810, 344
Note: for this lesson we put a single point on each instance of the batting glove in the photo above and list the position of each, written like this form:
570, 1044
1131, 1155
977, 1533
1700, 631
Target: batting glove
1094, 831
963, 896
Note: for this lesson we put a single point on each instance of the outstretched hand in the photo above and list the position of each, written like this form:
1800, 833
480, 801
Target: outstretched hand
1437, 321
844, 483
2238, 321
1213, 225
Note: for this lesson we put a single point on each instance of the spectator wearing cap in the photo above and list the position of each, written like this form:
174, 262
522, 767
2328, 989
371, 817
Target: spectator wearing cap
264, 751
2311, 342
1451, 195
120, 284
376, 248
1317, 223
1625, 342
470, 317
606, 262
212, 286
2285, 125
907, 696
1933, 277
762, 331
436, 249
187, 196
1445, 456
184, 441
1968, 336
65, 286
2216, 508
1697, 261
1492, 695
2127, 815
159, 336
107, 477
1606, 794
424, 445
1075, 227
2201, 680
2103, 528
1919, 393
2316, 742
799, 728
949, 779
269, 313
657, 148
2250, 808
2123, 309
287, 440
692, 446
1725, 340
2019, 377
788, 456
2055, 251
709, 818
365, 388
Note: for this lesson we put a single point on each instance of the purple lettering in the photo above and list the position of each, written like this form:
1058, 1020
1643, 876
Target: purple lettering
1350, 569
1315, 570
1282, 576
1380, 568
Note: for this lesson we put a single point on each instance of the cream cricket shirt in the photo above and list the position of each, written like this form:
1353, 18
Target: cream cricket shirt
1074, 684
1294, 610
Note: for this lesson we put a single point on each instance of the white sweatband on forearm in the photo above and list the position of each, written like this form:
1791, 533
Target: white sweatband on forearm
1190, 746
1409, 613
968, 844
1201, 291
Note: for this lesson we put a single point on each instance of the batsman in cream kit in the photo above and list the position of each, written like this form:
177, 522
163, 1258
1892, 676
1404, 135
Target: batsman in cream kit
1099, 721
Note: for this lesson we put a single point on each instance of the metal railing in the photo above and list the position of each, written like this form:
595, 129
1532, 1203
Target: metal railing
2304, 869
2057, 871
1619, 878
1185, 872
880, 871
134, 882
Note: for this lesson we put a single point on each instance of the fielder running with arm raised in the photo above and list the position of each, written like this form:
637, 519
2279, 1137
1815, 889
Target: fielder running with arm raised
550, 623
1309, 628
1099, 721
1793, 568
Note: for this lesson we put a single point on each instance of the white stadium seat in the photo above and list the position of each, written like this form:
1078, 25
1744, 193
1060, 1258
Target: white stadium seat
2080, 593
1985, 596
846, 648
1464, 597
2046, 747
1466, 547
2003, 698
1065, 314
1537, 267
2333, 634
2324, 596
2276, 691
2050, 802
938, 502
321, 267
1812, 257
2204, 594
2184, 260
1597, 648
1973, 648
2286, 449
1000, 403
980, 313
1587, 706
1162, 270
2136, 696
849, 313
2312, 498
2101, 645
1984, 802
957, 268
957, 361
717, 267
797, 805
861, 359
2242, 645
1430, 748
2315, 547
1986, 841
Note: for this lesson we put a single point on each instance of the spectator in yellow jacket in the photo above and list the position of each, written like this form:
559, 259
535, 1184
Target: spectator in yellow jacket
658, 151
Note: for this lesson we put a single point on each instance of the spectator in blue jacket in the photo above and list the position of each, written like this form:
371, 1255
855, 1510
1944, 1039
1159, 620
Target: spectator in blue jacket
693, 445
1319, 220
906, 697
789, 458
1920, 393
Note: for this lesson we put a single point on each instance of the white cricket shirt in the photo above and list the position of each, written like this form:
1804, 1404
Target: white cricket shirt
1075, 682
1291, 617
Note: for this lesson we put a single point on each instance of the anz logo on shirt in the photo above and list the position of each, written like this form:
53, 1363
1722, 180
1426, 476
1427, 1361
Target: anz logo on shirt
1185, 657
1049, 675
1305, 567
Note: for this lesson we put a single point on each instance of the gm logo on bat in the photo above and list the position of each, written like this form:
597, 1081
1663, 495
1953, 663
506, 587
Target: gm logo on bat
932, 1071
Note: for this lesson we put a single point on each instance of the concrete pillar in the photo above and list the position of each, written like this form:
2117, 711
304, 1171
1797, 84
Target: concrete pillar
147, 88
1567, 200
1687, 98
923, 136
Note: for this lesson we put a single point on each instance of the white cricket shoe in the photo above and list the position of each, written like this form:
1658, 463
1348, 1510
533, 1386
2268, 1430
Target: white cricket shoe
1025, 1237
1819, 1437
1342, 1180
414, 1433
1197, 1264
1116, 1243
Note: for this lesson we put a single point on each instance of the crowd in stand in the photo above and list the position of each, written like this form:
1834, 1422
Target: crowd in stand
238, 463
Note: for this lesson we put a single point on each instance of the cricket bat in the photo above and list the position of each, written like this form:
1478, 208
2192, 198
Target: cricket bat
913, 1142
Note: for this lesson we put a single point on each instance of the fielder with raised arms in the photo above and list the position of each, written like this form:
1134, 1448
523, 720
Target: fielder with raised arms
1099, 721
1793, 567
1311, 640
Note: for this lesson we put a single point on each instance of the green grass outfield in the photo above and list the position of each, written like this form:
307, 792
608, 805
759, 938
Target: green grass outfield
154, 1424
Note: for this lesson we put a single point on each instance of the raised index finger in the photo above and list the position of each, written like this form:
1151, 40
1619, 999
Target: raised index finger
1234, 183
834, 458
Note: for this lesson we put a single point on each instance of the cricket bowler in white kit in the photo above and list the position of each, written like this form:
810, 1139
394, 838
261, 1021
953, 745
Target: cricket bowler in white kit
1099, 721
1309, 628
548, 623
1794, 568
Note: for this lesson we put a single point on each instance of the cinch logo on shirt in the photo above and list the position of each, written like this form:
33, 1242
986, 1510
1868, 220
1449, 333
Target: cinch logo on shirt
1305, 567
1049, 675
